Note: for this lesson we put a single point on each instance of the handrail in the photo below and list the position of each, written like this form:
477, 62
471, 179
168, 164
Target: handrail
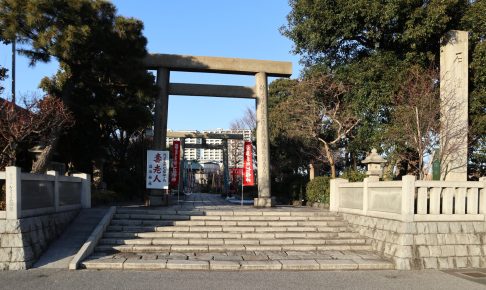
14, 198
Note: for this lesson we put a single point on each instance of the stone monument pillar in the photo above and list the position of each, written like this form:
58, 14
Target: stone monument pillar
454, 105
263, 157
159, 196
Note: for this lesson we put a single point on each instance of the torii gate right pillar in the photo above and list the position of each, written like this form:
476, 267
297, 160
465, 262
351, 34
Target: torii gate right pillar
263, 150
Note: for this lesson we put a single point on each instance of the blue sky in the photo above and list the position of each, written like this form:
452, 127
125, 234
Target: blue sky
243, 29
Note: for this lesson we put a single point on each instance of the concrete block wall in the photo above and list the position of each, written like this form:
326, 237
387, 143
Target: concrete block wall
22, 241
425, 245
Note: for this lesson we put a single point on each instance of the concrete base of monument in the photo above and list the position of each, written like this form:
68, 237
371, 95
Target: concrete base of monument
157, 200
264, 202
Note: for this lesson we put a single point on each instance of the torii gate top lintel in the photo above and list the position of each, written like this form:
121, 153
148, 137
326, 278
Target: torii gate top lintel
211, 64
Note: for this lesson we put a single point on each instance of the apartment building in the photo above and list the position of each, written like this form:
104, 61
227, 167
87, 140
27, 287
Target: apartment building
235, 147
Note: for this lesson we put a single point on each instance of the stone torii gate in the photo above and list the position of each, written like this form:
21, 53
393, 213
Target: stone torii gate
261, 69
224, 147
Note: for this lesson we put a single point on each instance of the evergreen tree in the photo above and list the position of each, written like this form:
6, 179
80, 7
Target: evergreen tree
101, 77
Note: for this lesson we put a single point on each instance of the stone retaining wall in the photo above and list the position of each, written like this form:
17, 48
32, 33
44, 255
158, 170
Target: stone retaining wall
425, 245
22, 241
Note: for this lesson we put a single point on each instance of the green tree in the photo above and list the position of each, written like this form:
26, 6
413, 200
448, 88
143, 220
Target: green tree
474, 21
368, 44
288, 155
343, 31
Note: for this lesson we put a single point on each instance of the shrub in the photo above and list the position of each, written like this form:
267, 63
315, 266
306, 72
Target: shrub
318, 190
353, 175
290, 187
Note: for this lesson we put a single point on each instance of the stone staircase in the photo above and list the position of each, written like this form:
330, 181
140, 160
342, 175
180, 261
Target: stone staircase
232, 239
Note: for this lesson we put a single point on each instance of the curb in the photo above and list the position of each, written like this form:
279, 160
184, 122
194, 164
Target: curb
88, 247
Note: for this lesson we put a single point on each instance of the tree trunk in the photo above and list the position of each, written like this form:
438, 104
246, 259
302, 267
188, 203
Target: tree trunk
354, 162
98, 171
42, 162
330, 158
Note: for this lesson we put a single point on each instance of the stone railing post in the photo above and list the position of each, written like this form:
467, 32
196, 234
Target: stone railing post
334, 194
85, 189
482, 196
408, 196
364, 210
13, 196
55, 174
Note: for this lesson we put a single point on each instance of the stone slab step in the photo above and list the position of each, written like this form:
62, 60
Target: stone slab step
241, 241
176, 217
304, 264
228, 248
141, 222
135, 228
245, 212
122, 210
221, 235
170, 217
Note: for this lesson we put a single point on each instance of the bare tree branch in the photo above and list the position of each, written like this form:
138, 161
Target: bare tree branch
40, 121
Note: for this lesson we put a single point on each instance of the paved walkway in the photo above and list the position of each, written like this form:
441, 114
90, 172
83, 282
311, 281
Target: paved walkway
209, 201
198, 201
193, 201
61, 252
302, 280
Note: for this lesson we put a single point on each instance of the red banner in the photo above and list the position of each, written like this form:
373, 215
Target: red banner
176, 156
248, 164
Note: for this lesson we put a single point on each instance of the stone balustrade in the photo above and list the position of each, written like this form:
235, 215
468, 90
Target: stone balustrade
418, 224
38, 208
411, 200
38, 194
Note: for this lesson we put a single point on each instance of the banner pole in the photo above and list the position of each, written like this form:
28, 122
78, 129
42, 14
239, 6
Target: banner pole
242, 187
179, 183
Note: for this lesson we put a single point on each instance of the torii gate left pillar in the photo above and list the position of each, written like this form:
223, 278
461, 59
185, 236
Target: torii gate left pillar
159, 197
261, 69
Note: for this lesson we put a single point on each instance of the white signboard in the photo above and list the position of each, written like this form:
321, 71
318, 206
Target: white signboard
157, 169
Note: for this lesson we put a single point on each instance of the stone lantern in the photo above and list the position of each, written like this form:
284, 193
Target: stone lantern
375, 164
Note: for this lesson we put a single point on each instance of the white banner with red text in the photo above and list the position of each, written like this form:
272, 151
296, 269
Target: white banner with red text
157, 169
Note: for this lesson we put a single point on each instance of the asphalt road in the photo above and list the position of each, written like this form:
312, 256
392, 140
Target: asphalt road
90, 280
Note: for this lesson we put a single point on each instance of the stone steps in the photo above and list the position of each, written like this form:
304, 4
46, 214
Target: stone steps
273, 265
227, 248
290, 239
268, 261
193, 223
177, 217
218, 235
246, 212
207, 241
230, 229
